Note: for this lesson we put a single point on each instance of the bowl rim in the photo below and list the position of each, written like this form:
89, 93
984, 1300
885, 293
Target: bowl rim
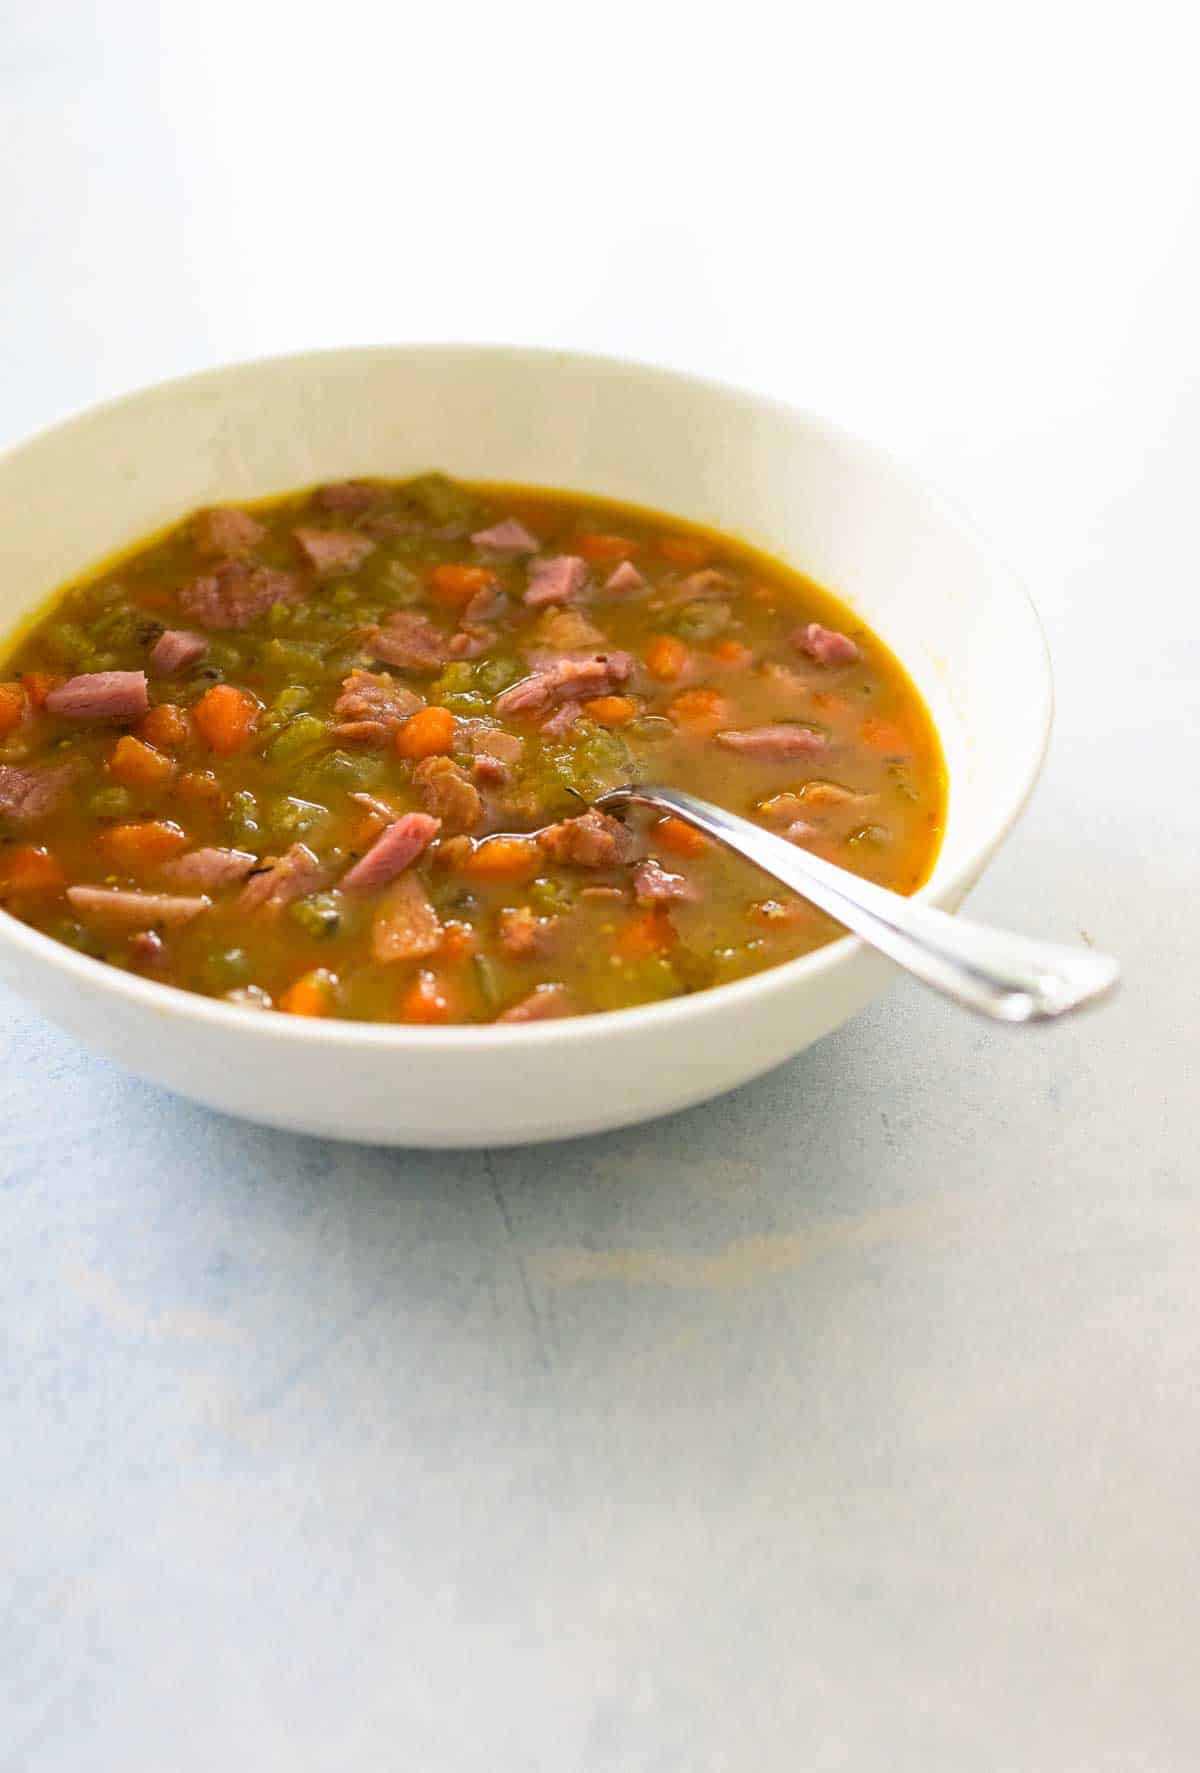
161, 998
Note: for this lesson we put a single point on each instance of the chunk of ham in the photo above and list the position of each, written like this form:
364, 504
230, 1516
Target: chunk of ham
351, 496
296, 873
175, 651
508, 537
484, 606
496, 753
566, 680
371, 706
29, 791
132, 910
770, 742
235, 594
546, 1004
653, 885
624, 580
702, 586
392, 851
523, 934
222, 532
410, 641
211, 868
470, 643
406, 926
555, 580
492, 742
593, 840
825, 645
100, 695
147, 951
448, 793
559, 724
389, 526
333, 551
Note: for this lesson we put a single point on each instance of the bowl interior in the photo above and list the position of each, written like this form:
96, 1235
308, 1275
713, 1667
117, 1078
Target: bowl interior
788, 483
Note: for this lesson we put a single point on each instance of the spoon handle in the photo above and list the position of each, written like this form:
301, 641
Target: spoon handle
1003, 976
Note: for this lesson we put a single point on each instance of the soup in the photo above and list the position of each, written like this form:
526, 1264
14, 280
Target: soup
334, 755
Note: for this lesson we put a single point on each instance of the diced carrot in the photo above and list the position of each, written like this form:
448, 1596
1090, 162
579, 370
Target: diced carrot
611, 710
680, 838
685, 550
142, 843
645, 933
38, 685
14, 706
459, 942
30, 868
426, 1000
226, 717
311, 994
200, 788
764, 594
453, 584
885, 736
603, 547
666, 657
503, 858
137, 765
427, 733
732, 652
703, 710
166, 726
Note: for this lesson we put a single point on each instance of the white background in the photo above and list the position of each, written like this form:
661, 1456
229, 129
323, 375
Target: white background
849, 1423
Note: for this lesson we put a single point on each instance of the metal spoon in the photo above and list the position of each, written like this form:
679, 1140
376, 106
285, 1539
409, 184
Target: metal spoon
1006, 977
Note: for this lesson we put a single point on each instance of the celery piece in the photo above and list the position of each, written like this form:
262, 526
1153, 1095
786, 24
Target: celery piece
318, 915
302, 734
110, 803
289, 817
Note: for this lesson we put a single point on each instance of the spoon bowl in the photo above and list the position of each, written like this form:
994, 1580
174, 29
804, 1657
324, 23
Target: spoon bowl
1006, 977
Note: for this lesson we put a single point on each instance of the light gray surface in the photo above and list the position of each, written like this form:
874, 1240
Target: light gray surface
848, 1423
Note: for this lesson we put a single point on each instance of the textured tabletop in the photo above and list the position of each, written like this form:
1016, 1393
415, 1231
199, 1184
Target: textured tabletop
847, 1424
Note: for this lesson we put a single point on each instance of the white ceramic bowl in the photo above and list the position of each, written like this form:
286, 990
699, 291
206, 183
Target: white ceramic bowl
787, 482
